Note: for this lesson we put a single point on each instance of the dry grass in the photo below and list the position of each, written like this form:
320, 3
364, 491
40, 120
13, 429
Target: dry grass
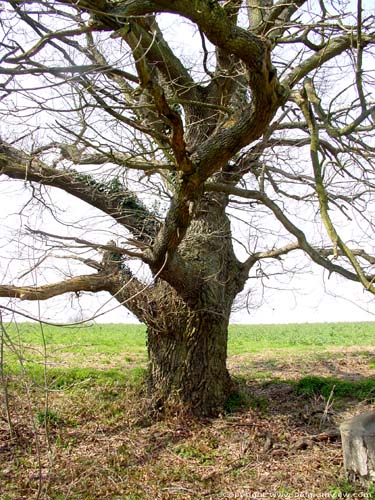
98, 443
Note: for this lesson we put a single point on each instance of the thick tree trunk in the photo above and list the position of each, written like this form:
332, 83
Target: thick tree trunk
188, 324
187, 366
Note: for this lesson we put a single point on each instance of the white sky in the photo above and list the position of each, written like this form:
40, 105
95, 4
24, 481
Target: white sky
309, 298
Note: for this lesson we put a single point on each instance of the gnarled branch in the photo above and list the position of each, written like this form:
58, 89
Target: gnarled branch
85, 283
123, 206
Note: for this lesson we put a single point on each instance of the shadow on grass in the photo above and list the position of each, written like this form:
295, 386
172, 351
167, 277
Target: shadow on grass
292, 398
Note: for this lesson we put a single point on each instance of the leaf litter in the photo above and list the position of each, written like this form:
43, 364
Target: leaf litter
103, 445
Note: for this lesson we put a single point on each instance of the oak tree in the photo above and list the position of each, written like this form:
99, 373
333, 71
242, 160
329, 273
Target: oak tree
259, 116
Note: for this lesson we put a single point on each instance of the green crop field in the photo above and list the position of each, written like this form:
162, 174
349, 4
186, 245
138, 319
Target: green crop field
64, 355
118, 338
109, 340
299, 337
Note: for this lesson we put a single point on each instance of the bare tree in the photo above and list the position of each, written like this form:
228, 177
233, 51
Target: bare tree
267, 123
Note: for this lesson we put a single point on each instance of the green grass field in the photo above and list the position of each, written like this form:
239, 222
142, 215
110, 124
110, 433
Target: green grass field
62, 356
115, 338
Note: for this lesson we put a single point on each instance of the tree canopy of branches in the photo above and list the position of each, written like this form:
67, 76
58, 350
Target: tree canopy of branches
215, 135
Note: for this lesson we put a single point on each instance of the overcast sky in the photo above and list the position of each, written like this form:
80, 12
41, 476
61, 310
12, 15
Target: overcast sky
312, 297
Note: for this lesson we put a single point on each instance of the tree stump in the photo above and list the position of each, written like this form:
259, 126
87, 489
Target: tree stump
358, 444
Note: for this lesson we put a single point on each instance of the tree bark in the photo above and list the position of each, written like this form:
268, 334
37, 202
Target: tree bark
187, 366
187, 337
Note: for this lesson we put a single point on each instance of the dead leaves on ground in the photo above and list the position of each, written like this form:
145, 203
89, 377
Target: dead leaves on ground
102, 446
